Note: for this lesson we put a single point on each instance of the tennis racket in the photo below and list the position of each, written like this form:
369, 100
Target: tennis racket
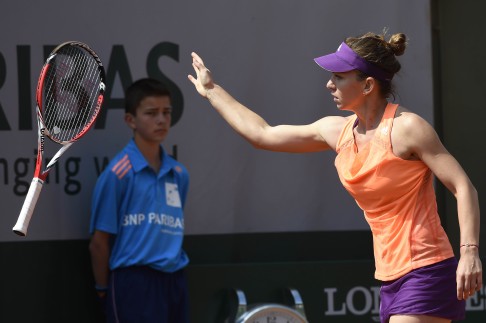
69, 97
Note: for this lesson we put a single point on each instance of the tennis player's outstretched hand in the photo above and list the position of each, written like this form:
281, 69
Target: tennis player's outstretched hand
203, 80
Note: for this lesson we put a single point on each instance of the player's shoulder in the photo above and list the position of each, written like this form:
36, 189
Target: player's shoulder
409, 121
412, 130
331, 128
335, 119
333, 123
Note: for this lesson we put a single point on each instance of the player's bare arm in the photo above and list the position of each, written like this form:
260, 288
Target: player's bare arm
318, 136
418, 140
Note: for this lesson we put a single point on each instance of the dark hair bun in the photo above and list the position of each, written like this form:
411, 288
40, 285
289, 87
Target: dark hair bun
398, 43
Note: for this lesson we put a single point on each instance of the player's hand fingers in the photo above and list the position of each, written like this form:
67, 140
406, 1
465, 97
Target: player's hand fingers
476, 280
476, 283
467, 287
197, 58
469, 274
197, 63
202, 71
479, 281
199, 88
460, 287
469, 284
199, 66
203, 80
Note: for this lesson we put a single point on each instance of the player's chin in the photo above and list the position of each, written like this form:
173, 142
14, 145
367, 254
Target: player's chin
338, 103
344, 107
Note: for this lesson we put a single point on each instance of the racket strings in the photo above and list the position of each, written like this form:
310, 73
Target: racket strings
73, 111
71, 89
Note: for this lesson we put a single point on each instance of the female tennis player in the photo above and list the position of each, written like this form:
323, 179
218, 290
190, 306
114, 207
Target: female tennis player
387, 157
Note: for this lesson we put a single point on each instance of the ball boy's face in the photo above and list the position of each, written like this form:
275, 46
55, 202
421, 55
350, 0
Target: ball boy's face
152, 120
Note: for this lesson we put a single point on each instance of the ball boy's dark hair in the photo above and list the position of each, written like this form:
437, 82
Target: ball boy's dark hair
141, 89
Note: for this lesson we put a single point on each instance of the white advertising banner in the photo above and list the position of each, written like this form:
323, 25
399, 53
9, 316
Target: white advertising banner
261, 51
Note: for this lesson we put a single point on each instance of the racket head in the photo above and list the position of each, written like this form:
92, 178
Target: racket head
70, 92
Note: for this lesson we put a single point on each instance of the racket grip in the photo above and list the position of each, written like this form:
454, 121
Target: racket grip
22, 224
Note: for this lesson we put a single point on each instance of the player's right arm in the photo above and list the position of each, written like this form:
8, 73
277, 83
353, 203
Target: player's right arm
318, 136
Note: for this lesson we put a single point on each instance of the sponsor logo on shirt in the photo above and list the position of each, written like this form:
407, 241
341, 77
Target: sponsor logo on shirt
165, 220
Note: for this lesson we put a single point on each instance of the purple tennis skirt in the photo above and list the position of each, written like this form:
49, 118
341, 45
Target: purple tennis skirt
430, 290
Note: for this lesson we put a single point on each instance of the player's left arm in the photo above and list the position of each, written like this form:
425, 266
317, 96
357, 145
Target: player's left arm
422, 142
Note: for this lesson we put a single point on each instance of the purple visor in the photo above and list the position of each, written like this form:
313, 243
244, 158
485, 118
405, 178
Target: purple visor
345, 60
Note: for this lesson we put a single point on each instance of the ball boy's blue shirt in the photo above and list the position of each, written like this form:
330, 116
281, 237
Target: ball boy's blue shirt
143, 209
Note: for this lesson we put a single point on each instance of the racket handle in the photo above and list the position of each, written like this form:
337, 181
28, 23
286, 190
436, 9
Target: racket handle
22, 224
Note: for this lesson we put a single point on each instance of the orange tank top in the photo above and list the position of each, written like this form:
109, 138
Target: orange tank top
398, 200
